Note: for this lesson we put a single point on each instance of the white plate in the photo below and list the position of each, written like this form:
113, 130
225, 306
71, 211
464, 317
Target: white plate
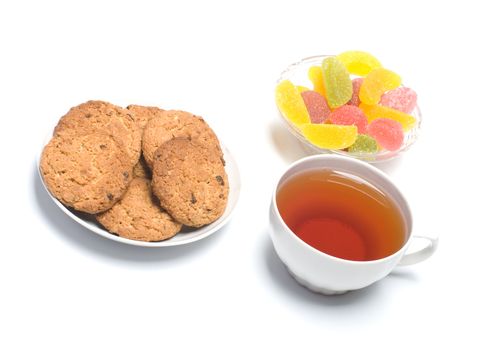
184, 236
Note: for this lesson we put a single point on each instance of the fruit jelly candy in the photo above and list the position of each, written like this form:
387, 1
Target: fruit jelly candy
337, 82
290, 103
376, 111
402, 99
316, 76
316, 106
330, 136
387, 132
349, 115
359, 62
364, 144
376, 83
356, 86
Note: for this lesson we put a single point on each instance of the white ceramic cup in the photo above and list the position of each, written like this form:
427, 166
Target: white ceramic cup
327, 274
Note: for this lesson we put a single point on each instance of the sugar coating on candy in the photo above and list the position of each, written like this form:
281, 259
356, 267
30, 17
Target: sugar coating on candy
376, 111
356, 86
337, 82
316, 106
376, 83
359, 62
315, 75
330, 136
290, 103
364, 144
349, 115
387, 132
402, 99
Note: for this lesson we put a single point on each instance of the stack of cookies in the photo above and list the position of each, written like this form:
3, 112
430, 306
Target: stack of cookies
143, 171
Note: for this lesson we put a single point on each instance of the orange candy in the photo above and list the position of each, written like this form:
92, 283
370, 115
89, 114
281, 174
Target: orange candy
315, 75
376, 111
376, 83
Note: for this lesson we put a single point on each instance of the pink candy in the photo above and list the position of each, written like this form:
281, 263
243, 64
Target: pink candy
387, 132
402, 99
316, 106
349, 115
356, 86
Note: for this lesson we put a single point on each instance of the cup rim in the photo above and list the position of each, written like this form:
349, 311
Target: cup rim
407, 215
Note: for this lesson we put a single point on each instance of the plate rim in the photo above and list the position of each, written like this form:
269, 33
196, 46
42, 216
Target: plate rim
234, 178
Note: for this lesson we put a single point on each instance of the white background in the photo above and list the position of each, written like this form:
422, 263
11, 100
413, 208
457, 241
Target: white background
62, 286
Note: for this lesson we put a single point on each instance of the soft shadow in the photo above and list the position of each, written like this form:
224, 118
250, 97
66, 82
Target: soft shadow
389, 166
285, 143
286, 284
401, 273
74, 234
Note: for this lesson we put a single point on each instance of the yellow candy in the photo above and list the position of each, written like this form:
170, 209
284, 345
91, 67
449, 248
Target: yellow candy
330, 136
376, 83
301, 89
316, 76
291, 104
376, 111
359, 62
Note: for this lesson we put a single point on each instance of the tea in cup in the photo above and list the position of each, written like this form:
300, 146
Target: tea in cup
340, 224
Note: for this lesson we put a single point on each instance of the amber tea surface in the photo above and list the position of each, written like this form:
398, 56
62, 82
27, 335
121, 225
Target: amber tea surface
341, 215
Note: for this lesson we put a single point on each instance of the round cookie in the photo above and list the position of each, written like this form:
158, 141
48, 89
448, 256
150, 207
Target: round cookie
143, 114
137, 216
171, 124
190, 181
92, 116
87, 172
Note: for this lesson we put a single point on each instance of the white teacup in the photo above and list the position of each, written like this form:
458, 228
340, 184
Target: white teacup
327, 274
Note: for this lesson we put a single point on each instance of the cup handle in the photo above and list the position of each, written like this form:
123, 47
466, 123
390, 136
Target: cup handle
421, 254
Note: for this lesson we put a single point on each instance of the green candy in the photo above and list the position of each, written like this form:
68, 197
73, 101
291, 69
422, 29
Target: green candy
337, 82
364, 144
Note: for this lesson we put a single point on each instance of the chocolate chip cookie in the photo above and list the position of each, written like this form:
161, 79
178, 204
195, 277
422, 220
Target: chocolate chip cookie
138, 215
173, 124
87, 172
101, 116
190, 181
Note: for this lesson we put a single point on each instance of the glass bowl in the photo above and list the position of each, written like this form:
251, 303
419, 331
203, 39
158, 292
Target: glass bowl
297, 74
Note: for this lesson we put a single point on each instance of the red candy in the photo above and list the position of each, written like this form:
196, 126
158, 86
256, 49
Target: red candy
349, 115
402, 99
387, 132
316, 106
356, 86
